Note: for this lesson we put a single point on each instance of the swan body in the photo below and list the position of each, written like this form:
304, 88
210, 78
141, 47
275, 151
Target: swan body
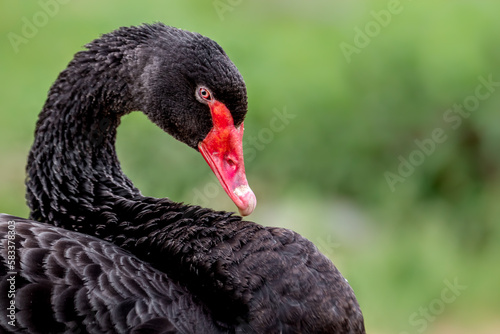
96, 256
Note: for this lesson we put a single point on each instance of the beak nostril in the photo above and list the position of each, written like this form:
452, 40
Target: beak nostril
231, 161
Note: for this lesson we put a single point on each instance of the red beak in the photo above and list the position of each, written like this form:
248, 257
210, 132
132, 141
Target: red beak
223, 151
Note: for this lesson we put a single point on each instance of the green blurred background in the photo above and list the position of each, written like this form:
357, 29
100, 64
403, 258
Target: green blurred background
321, 170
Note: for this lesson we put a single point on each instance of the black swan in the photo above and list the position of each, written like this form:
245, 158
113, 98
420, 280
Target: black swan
115, 261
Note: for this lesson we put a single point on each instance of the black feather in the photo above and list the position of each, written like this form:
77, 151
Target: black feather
118, 262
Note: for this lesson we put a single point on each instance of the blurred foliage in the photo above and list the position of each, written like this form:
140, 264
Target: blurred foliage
322, 172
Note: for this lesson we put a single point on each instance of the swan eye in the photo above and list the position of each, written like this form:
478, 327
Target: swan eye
204, 94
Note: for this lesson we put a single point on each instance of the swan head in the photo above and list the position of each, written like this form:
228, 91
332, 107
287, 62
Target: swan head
192, 90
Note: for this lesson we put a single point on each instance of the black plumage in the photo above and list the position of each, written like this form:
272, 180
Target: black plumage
68, 282
116, 261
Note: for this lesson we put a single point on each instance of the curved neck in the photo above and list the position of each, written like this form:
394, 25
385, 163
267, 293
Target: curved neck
75, 182
73, 161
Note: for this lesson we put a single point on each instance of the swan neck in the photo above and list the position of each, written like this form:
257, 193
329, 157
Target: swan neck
72, 165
